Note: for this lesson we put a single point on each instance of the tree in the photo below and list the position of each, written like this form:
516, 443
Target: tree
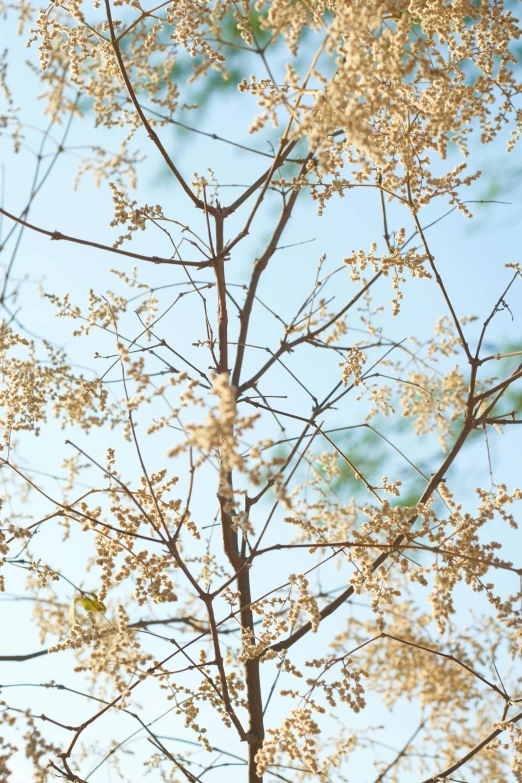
218, 579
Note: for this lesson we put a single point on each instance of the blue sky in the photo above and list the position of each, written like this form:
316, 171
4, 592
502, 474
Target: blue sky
470, 255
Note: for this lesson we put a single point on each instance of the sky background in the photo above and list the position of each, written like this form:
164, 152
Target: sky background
470, 255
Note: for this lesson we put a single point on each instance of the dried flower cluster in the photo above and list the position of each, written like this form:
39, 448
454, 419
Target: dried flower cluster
212, 549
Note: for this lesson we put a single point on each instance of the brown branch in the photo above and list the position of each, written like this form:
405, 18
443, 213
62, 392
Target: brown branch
401, 753
438, 278
495, 310
146, 124
57, 236
475, 361
225, 694
191, 622
435, 480
190, 777
501, 421
35, 188
260, 265
436, 550
473, 752
255, 733
219, 269
498, 356
448, 657
216, 137
500, 386
308, 337
26, 657
267, 176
